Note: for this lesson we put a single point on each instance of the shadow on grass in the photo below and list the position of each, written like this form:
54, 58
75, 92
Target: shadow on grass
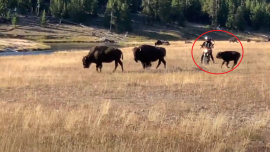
160, 70
155, 35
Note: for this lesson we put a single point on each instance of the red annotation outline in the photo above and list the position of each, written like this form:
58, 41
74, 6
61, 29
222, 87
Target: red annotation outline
221, 31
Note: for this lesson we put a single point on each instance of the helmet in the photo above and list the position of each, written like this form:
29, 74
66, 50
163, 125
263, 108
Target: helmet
206, 38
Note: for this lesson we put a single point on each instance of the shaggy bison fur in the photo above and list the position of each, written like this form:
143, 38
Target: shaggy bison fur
147, 54
102, 54
228, 56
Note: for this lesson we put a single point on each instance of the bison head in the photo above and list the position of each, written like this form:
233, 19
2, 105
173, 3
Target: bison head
219, 55
136, 52
86, 61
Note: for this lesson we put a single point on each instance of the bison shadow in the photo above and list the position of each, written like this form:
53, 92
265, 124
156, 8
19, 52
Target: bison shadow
171, 70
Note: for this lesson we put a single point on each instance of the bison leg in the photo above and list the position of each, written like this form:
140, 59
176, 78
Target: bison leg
144, 65
100, 67
97, 66
234, 63
227, 64
121, 64
164, 62
222, 64
116, 65
149, 64
159, 61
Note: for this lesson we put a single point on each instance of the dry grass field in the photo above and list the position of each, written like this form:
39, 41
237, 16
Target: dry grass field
51, 103
20, 44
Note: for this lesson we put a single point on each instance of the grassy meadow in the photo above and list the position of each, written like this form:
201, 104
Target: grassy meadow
51, 103
21, 44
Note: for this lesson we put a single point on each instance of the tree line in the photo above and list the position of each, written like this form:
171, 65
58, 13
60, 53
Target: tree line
232, 14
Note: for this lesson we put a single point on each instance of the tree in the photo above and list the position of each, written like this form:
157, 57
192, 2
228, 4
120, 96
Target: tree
239, 20
56, 8
43, 19
257, 16
14, 20
230, 20
8, 15
117, 14
124, 18
3, 8
76, 10
177, 14
222, 13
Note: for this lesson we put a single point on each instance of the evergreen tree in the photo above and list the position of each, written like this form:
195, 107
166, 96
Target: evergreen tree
256, 15
14, 20
230, 19
177, 9
56, 8
239, 20
43, 18
3, 8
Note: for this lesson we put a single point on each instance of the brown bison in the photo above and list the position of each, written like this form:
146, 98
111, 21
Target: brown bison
102, 54
187, 41
233, 40
148, 53
228, 56
160, 42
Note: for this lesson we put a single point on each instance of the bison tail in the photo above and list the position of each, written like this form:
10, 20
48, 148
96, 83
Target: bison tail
122, 56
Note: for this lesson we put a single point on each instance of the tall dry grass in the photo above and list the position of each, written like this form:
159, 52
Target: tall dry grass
50, 103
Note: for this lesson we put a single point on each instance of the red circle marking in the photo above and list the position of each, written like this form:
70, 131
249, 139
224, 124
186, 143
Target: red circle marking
221, 31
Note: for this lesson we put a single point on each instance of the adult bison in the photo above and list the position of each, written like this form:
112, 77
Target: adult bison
228, 56
101, 54
160, 42
233, 40
148, 53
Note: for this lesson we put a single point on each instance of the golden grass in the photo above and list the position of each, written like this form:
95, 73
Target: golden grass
21, 44
50, 103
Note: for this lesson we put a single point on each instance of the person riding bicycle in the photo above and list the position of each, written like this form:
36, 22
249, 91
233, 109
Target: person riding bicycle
208, 43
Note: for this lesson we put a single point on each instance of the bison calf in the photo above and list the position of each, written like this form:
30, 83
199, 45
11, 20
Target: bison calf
228, 56
147, 54
102, 54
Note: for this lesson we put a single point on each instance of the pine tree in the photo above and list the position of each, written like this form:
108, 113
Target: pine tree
56, 7
239, 20
257, 16
177, 9
230, 20
14, 20
3, 8
43, 18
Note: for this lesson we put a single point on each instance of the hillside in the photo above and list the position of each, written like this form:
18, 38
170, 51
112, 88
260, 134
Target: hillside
28, 27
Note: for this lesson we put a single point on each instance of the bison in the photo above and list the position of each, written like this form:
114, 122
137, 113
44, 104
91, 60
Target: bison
160, 42
233, 40
102, 54
148, 53
187, 41
228, 56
